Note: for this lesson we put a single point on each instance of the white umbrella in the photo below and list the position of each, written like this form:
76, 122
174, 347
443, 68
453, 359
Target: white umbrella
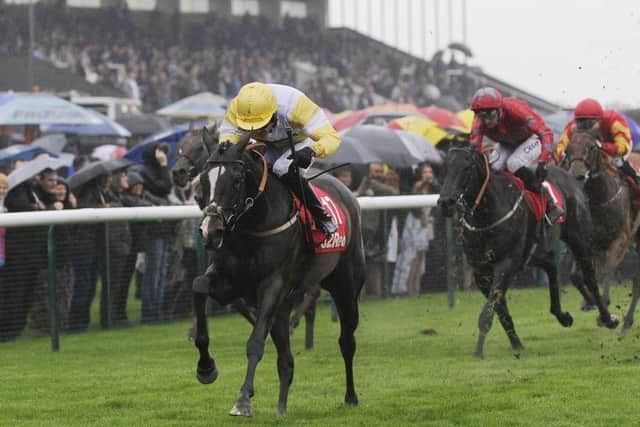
38, 108
104, 127
202, 105
34, 167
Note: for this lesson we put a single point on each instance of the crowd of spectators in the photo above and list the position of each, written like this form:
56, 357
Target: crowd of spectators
147, 254
160, 66
160, 59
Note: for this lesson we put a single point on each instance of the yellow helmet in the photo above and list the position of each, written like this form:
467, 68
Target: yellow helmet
255, 104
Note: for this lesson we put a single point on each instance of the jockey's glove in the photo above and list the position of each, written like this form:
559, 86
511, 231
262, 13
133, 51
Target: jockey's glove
541, 171
303, 157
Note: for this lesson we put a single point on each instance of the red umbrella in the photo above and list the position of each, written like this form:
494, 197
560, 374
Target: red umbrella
444, 118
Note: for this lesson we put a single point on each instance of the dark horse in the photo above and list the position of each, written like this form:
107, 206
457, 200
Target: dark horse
500, 234
615, 220
193, 152
260, 255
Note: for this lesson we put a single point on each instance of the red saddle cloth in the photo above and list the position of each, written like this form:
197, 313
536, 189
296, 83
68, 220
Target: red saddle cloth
337, 242
537, 203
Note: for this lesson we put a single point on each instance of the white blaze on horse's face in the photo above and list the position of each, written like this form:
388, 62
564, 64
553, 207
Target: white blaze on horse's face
214, 174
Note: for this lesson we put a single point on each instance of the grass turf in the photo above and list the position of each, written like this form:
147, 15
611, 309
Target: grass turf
145, 376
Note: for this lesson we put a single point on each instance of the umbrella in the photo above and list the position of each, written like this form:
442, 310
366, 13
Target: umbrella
53, 143
96, 169
104, 126
19, 152
442, 116
422, 126
143, 124
634, 128
202, 105
171, 136
351, 150
87, 173
108, 151
461, 47
39, 108
394, 147
34, 167
365, 117
467, 118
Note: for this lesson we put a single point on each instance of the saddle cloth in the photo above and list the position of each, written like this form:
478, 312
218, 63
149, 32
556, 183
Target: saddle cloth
337, 242
537, 203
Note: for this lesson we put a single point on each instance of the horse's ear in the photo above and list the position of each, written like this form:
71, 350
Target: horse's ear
208, 138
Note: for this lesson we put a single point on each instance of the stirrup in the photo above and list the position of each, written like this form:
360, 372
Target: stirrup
554, 214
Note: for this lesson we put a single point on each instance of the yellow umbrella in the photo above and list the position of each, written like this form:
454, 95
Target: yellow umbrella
421, 126
467, 117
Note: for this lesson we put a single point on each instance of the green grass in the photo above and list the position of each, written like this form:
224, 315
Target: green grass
145, 376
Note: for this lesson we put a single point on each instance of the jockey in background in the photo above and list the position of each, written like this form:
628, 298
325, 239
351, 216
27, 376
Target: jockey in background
611, 129
265, 112
522, 140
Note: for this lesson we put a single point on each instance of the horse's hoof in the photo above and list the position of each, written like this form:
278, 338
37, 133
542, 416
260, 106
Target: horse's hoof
351, 399
610, 323
207, 376
241, 409
478, 355
628, 323
565, 319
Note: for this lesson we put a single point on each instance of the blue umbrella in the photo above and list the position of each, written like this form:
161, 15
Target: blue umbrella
170, 136
20, 152
38, 108
634, 128
201, 105
104, 127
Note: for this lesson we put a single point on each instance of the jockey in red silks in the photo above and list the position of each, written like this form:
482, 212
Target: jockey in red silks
612, 131
521, 140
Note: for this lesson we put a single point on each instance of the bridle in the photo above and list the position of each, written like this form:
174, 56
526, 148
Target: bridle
193, 169
466, 212
592, 161
238, 210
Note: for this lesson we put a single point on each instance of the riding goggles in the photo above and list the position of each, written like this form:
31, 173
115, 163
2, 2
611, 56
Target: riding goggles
488, 114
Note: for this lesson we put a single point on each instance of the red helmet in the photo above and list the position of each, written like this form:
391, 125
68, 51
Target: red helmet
588, 109
486, 98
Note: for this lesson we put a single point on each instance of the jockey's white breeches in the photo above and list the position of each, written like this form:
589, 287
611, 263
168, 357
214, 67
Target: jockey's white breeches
526, 154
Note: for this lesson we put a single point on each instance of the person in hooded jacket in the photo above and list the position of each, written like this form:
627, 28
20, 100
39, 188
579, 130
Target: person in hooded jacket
157, 186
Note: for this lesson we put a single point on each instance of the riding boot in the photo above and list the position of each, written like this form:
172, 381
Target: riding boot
629, 171
532, 183
554, 212
322, 220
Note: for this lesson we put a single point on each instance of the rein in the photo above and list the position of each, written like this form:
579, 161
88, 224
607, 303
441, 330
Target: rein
480, 197
214, 209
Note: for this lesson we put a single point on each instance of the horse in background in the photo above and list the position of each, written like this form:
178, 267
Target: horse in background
260, 255
500, 236
615, 219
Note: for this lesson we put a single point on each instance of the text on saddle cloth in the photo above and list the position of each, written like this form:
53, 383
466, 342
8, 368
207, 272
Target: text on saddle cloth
337, 242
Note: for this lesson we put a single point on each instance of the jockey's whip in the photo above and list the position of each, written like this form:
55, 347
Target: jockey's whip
328, 170
308, 234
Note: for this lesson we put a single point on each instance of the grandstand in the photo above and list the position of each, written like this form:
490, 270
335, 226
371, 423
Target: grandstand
164, 50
